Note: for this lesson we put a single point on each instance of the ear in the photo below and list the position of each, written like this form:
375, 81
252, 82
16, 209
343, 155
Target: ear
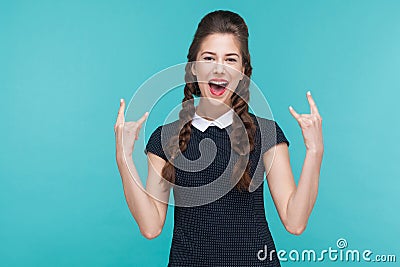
193, 68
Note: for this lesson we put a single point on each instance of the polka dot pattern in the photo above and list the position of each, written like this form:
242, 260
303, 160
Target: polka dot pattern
231, 230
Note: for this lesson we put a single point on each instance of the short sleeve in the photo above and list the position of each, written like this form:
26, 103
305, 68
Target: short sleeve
272, 134
154, 144
280, 136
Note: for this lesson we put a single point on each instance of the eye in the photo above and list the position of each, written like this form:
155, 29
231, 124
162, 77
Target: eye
231, 59
208, 58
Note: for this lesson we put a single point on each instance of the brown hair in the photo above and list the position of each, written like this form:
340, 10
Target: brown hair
242, 139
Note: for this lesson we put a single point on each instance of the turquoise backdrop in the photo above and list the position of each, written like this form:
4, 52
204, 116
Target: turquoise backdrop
64, 65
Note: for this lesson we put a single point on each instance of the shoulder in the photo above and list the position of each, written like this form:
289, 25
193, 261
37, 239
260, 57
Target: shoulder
159, 138
171, 128
270, 132
163, 132
263, 123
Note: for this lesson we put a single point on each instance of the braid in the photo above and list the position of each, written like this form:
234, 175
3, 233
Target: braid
185, 121
242, 139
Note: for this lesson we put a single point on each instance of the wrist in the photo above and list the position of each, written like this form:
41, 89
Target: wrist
121, 155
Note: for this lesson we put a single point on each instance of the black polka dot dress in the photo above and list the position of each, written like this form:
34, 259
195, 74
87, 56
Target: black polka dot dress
232, 230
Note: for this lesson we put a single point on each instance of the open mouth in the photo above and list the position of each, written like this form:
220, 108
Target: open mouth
217, 87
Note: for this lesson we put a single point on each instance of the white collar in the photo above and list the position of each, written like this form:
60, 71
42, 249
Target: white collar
222, 121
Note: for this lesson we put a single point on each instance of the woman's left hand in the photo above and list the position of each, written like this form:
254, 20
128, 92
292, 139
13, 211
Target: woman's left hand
311, 126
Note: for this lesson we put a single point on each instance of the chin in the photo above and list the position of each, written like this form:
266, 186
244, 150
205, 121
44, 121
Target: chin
219, 101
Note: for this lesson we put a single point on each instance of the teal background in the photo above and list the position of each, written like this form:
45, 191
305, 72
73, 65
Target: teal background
64, 65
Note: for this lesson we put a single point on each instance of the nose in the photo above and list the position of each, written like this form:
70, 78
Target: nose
219, 68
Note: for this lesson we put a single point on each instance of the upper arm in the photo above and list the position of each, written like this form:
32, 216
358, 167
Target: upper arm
158, 192
279, 177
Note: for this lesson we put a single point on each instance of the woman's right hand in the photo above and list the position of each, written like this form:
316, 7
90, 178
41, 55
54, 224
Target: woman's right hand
128, 130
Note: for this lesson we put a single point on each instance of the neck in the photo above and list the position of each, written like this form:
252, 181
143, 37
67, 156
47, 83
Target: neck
211, 112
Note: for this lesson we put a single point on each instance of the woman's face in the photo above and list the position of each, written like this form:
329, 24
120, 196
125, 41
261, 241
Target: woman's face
218, 67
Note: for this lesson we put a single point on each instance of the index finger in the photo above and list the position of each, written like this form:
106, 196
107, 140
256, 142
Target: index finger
313, 106
294, 113
121, 117
142, 119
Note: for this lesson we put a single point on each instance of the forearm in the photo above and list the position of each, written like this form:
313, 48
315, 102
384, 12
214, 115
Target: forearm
140, 204
302, 200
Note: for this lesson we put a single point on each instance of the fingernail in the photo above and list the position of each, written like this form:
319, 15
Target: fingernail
121, 100
290, 107
308, 93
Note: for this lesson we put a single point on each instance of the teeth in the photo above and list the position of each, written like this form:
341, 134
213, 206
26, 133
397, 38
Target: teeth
219, 83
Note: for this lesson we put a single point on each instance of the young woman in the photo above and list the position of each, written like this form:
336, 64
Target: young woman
232, 230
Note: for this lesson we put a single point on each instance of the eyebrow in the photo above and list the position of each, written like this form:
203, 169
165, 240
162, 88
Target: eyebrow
212, 53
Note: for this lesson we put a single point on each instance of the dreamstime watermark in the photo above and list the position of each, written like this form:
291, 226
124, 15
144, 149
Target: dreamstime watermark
339, 253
